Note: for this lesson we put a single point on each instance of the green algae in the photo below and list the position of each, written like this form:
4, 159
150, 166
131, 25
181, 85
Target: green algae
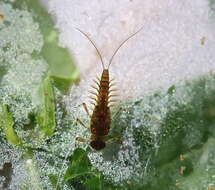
46, 111
7, 123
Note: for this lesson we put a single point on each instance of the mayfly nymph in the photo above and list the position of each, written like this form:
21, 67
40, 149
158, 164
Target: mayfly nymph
101, 117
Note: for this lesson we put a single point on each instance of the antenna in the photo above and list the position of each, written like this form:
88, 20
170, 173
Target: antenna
122, 45
93, 45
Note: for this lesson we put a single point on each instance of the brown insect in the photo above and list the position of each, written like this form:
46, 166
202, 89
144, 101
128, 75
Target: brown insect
101, 117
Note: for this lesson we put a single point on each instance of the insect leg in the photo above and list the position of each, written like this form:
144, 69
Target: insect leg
112, 105
82, 140
86, 109
81, 123
114, 139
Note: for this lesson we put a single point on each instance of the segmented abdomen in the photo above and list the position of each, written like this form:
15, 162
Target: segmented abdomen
104, 88
101, 119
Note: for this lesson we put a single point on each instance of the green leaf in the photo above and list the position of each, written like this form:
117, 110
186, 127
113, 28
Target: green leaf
171, 90
79, 166
6, 123
62, 68
46, 111
81, 170
54, 182
94, 182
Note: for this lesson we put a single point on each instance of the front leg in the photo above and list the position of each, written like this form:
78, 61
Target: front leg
81, 123
80, 139
114, 139
86, 109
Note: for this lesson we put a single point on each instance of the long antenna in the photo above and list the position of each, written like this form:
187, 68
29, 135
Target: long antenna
93, 45
122, 45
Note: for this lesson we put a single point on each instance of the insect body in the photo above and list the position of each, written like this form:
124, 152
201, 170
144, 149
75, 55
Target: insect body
101, 116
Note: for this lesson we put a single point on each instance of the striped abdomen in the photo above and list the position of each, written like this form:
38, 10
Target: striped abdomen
101, 118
